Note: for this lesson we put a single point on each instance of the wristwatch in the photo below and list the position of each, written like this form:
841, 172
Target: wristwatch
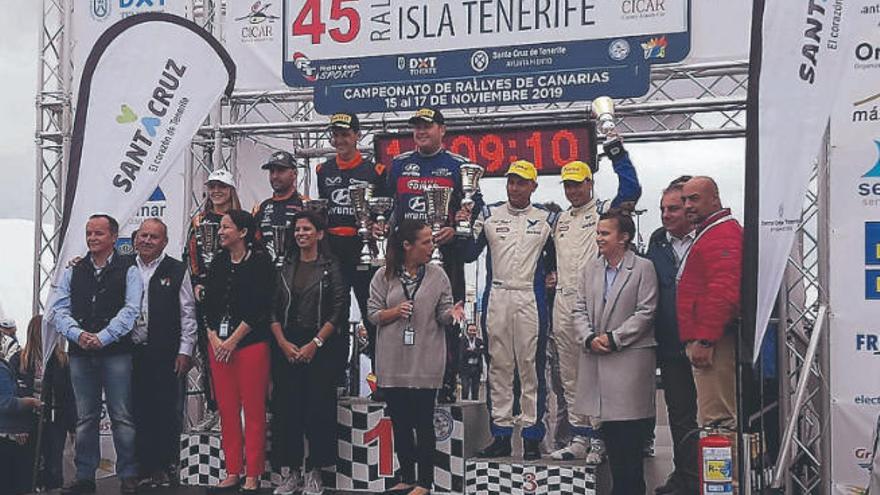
318, 342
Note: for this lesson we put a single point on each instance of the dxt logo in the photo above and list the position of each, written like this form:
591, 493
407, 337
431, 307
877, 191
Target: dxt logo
868, 342
124, 4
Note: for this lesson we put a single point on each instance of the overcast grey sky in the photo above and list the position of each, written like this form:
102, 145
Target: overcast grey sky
18, 81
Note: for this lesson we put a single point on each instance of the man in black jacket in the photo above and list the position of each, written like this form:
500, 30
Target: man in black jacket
666, 250
349, 168
97, 302
471, 352
279, 210
164, 337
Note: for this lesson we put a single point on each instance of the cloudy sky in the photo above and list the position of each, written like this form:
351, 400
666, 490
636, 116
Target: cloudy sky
18, 65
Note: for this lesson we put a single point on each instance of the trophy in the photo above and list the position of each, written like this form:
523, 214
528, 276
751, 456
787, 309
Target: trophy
208, 241
360, 195
318, 206
470, 184
280, 242
437, 206
381, 208
603, 111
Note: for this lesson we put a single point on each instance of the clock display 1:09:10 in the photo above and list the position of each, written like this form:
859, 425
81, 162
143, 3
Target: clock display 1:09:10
549, 149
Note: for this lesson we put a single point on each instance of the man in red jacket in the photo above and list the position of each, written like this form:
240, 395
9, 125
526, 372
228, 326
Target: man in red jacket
708, 301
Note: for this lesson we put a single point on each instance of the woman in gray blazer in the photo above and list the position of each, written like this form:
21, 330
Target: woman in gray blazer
615, 311
411, 304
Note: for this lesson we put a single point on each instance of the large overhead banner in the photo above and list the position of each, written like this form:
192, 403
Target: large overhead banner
854, 260
147, 85
399, 54
796, 68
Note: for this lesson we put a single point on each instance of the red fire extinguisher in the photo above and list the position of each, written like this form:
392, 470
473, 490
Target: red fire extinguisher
716, 464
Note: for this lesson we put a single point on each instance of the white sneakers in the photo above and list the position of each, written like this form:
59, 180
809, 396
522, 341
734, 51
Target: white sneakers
591, 450
597, 452
313, 485
577, 449
292, 483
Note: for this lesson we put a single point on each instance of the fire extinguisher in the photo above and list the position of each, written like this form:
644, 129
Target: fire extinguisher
716, 463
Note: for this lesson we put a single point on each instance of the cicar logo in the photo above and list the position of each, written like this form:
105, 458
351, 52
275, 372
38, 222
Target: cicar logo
257, 22
643, 7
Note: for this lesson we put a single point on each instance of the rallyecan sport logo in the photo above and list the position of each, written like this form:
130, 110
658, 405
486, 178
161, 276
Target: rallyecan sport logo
325, 72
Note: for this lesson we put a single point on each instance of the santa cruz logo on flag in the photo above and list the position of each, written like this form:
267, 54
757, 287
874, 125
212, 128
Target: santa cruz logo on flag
144, 137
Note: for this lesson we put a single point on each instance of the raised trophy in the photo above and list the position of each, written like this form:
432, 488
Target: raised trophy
470, 184
280, 242
360, 195
603, 112
381, 208
208, 241
437, 207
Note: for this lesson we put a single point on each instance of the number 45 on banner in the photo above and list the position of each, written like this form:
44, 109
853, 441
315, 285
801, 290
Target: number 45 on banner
382, 434
309, 22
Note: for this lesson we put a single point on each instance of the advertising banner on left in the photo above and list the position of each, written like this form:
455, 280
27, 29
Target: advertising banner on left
147, 85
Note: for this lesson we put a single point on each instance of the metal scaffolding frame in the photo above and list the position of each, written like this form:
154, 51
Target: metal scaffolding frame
684, 102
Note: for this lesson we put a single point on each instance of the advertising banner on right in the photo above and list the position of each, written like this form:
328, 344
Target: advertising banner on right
854, 271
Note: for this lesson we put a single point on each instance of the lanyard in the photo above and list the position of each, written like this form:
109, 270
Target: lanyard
419, 277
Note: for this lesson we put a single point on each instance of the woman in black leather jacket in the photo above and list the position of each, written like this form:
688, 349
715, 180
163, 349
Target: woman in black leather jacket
309, 312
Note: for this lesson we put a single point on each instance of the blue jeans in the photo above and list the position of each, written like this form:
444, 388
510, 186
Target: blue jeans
92, 375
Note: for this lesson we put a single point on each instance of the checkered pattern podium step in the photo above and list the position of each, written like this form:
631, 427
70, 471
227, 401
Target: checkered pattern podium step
365, 458
514, 477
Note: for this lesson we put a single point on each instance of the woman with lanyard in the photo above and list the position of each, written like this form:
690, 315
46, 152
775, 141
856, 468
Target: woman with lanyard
238, 303
616, 299
411, 304
310, 307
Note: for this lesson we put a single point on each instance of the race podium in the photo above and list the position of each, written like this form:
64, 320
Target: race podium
517, 477
365, 459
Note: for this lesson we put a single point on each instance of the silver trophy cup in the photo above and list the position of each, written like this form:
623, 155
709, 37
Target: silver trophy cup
437, 207
381, 208
471, 173
208, 241
280, 243
603, 111
360, 195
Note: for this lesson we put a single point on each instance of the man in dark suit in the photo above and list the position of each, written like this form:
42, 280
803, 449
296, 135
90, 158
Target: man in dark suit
471, 352
666, 250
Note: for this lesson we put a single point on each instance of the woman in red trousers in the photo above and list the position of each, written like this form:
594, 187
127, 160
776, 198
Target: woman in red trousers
238, 301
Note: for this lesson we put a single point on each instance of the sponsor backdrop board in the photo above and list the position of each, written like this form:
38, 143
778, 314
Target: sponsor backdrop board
252, 31
395, 55
855, 258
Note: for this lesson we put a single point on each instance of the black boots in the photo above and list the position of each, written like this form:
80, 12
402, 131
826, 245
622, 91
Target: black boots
500, 447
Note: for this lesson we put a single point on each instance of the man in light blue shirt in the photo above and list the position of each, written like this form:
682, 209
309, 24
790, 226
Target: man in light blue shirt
98, 301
